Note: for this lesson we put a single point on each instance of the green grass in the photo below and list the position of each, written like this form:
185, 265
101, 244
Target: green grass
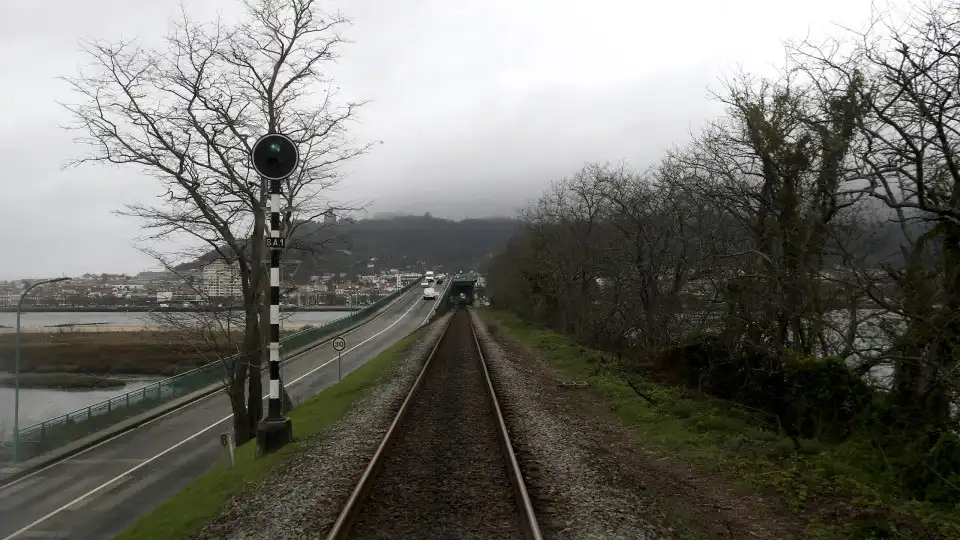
824, 483
187, 511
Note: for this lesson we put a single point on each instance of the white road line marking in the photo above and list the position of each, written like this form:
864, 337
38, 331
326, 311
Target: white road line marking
435, 304
197, 434
4, 487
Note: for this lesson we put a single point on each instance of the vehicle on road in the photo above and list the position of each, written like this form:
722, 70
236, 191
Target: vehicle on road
429, 293
424, 283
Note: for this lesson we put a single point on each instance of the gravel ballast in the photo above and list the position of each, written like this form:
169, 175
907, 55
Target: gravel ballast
444, 476
303, 497
573, 481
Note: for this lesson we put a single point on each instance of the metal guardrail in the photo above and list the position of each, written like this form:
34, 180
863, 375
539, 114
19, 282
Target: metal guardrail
50, 434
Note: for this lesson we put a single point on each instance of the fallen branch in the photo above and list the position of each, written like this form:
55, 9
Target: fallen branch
639, 393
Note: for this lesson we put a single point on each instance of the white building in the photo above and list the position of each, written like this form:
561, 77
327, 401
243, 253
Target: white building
221, 280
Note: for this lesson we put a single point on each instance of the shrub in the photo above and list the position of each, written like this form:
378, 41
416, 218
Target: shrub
826, 400
812, 398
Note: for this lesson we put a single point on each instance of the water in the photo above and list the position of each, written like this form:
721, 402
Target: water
39, 405
30, 321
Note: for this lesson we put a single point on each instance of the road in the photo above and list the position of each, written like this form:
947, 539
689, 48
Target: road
100, 492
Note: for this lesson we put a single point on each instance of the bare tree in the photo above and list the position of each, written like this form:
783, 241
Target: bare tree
215, 325
777, 170
188, 115
910, 163
772, 240
569, 225
656, 225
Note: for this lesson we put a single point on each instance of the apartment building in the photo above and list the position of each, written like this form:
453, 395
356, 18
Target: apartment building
221, 280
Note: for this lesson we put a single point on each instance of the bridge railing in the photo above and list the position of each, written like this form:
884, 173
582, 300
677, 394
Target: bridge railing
65, 429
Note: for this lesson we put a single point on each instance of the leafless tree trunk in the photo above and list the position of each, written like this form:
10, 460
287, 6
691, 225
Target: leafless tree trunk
187, 115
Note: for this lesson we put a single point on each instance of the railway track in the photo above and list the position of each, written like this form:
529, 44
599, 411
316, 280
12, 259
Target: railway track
446, 467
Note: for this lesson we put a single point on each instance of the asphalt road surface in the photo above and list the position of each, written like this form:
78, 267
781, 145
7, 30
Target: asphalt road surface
102, 491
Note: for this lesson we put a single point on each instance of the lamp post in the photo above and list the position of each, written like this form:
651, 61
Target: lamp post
16, 367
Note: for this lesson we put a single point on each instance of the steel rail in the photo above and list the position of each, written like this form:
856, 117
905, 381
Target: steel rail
342, 527
524, 504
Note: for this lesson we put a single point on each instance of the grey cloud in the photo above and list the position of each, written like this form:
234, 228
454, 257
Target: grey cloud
479, 103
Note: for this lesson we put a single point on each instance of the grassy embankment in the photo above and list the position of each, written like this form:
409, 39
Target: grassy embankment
186, 512
824, 484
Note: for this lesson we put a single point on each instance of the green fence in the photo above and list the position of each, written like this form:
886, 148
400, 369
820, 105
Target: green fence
56, 432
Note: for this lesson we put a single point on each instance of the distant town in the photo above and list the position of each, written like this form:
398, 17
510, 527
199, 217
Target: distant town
216, 284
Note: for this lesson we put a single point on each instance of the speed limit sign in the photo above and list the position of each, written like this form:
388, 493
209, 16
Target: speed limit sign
339, 343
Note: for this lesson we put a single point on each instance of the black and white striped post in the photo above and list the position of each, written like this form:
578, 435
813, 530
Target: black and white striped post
274, 157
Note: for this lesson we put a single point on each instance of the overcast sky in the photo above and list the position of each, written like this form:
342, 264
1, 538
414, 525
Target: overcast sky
478, 103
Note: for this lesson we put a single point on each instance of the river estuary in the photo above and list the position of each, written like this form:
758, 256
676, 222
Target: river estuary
36, 322
41, 405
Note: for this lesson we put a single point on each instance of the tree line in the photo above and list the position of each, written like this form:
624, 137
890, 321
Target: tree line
751, 264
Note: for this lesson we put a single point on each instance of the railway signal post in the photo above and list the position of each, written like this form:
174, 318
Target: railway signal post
274, 158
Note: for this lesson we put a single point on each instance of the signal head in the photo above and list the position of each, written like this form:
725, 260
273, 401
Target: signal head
274, 156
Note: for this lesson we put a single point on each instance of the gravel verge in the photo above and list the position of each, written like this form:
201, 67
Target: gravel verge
575, 483
303, 497
444, 476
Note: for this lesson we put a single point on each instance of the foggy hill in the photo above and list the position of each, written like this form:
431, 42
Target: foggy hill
402, 241
397, 242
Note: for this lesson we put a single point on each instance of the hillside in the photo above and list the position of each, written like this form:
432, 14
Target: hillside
443, 244
396, 242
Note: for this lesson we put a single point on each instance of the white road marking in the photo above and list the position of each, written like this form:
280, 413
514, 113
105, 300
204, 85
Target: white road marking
197, 434
4, 487
427, 318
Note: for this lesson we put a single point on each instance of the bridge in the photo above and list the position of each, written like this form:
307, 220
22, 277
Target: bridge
464, 284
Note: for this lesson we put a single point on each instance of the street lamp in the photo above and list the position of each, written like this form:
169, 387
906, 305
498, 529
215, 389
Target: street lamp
16, 367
